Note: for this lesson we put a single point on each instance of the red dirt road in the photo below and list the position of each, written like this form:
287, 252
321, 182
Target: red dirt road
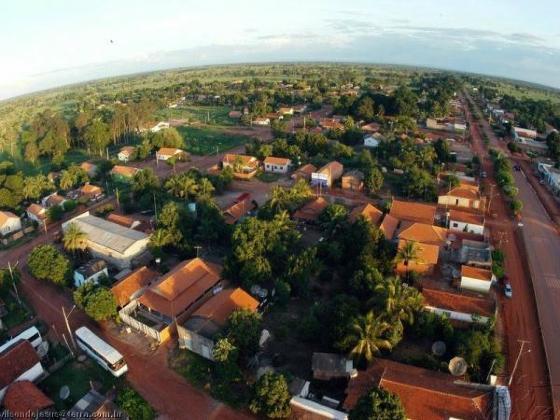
168, 392
530, 388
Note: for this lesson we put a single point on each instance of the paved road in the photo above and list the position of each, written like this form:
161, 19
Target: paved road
530, 389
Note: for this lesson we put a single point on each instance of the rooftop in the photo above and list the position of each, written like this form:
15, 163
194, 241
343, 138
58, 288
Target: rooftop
5, 216
181, 287
271, 160
427, 234
466, 217
425, 394
389, 226
38, 210
92, 267
214, 313
311, 210
469, 303
427, 253
128, 286
367, 211
90, 189
355, 173
332, 363
245, 159
107, 234
236, 211
15, 361
169, 151
415, 212
24, 396
128, 171
331, 167
476, 273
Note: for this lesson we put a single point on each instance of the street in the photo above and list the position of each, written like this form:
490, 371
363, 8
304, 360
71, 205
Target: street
530, 388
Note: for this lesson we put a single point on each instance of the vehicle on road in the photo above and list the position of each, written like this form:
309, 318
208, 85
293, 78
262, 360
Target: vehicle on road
100, 351
32, 335
508, 290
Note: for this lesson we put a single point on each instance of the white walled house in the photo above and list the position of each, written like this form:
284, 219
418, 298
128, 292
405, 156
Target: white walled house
92, 271
476, 279
19, 363
109, 241
460, 221
277, 165
9, 223
37, 213
126, 153
166, 153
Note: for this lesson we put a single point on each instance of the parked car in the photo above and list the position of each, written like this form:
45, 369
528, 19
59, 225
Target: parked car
508, 291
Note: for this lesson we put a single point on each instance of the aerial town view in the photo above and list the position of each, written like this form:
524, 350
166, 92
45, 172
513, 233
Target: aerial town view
210, 211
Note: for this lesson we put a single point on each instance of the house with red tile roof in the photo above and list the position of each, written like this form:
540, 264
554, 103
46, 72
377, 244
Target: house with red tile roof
462, 306
123, 173
368, 211
424, 233
172, 297
389, 226
413, 211
90, 191
244, 166
133, 285
166, 153
326, 175
425, 394
199, 331
9, 223
238, 210
426, 259
19, 362
465, 195
476, 279
25, 397
90, 168
126, 153
353, 180
37, 213
466, 221
277, 165
304, 172
311, 210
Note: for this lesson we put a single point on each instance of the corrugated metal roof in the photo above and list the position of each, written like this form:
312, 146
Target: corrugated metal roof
108, 234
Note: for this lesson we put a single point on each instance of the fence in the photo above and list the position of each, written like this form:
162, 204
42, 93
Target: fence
124, 314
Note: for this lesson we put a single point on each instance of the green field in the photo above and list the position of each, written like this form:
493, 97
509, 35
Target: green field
204, 141
212, 115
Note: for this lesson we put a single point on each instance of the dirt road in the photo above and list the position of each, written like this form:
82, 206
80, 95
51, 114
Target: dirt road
530, 388
169, 393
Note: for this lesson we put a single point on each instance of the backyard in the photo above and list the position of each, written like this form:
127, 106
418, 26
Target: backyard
211, 115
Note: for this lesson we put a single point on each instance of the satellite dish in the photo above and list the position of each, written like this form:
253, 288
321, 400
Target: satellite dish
64, 392
458, 366
439, 348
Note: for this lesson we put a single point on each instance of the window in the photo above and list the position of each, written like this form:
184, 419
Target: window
455, 224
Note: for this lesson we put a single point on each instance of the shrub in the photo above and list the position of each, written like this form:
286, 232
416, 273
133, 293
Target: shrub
134, 405
47, 263
272, 398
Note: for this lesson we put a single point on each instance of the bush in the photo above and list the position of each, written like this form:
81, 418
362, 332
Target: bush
47, 263
97, 301
378, 404
272, 398
69, 205
135, 406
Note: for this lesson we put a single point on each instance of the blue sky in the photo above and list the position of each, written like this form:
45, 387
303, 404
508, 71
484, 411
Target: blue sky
50, 43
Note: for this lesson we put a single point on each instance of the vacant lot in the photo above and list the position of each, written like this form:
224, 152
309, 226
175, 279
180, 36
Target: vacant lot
207, 140
212, 115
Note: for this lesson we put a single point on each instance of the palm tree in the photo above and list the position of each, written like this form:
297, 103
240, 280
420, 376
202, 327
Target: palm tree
205, 188
368, 334
74, 238
401, 301
408, 253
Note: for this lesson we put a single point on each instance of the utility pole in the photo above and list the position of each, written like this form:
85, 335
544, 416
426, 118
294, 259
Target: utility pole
491, 195
66, 317
155, 207
523, 342
13, 280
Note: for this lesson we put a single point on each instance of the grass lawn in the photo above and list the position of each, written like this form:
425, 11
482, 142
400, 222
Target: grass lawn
44, 165
218, 115
203, 141
77, 376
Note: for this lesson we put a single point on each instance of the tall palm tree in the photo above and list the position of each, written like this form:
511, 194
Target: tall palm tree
74, 238
408, 253
401, 301
205, 188
368, 336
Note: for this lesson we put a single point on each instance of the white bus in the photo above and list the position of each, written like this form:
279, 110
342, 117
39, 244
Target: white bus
32, 335
104, 354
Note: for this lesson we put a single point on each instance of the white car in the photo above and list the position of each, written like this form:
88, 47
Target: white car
508, 291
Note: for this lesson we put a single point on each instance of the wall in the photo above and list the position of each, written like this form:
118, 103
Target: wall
470, 227
458, 316
277, 169
450, 200
476, 285
195, 342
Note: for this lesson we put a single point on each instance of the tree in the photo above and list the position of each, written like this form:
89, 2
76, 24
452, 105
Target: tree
46, 263
365, 109
73, 176
97, 136
74, 238
378, 404
168, 137
97, 301
368, 336
373, 179
205, 188
145, 181
134, 405
332, 218
401, 302
272, 397
408, 253
244, 331
34, 187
